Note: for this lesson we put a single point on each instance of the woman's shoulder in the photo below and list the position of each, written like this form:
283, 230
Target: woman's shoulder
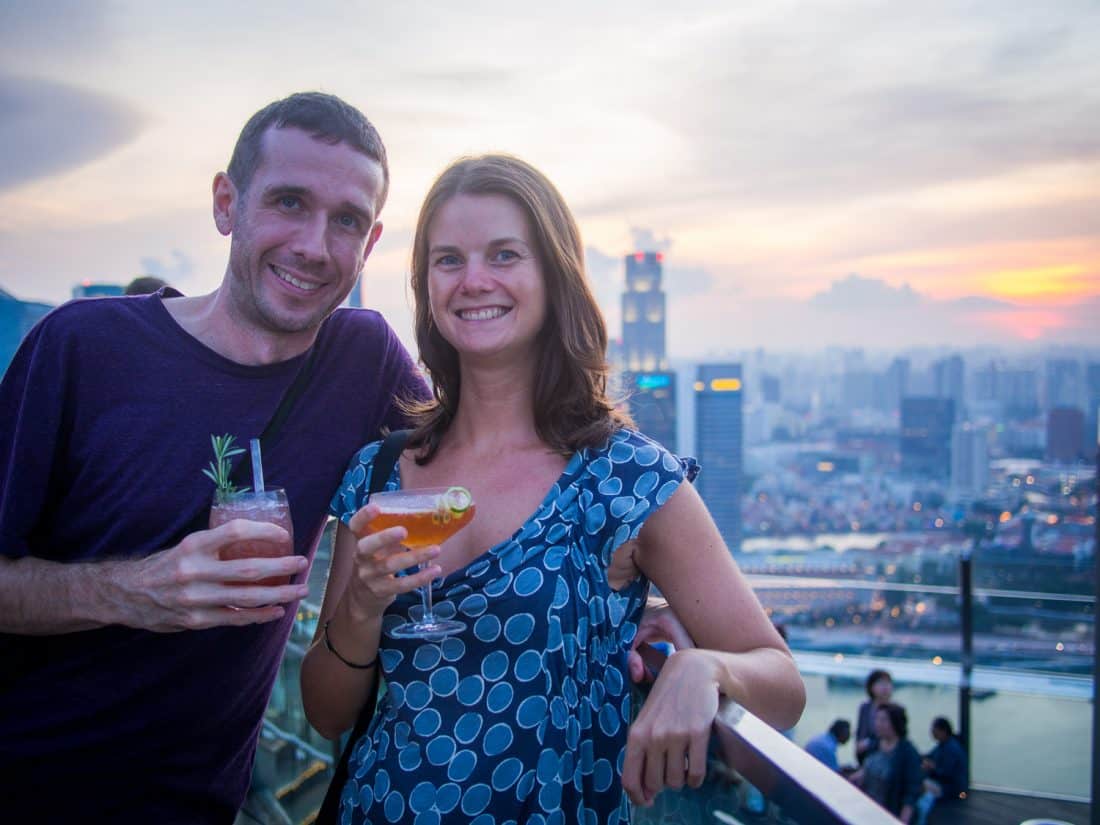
629, 447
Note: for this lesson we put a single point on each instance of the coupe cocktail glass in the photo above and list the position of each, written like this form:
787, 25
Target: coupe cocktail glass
431, 515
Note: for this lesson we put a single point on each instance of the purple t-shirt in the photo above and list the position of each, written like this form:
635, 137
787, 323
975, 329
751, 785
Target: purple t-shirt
107, 411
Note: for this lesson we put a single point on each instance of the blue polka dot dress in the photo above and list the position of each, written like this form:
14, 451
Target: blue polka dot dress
522, 717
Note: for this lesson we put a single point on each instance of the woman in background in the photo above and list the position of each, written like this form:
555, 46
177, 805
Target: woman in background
891, 772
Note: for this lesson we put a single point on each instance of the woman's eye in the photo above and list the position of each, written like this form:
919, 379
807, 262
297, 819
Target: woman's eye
506, 255
448, 260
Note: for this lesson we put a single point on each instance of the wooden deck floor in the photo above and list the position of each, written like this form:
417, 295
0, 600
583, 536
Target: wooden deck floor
989, 808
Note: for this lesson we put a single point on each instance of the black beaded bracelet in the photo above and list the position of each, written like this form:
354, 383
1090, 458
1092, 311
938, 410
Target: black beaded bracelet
333, 651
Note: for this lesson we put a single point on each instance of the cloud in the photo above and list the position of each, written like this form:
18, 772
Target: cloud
61, 28
51, 127
178, 270
682, 281
857, 294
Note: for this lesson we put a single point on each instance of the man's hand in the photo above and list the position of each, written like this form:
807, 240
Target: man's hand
190, 587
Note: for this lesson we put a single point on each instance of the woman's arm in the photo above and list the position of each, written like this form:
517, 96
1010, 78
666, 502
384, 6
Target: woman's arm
361, 584
739, 655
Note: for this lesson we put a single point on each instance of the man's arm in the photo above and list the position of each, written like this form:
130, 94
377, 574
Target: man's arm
186, 587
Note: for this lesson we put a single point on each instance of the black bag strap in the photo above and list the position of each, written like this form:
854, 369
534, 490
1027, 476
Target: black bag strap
384, 462
278, 418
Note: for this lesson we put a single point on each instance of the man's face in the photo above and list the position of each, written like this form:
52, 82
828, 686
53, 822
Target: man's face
300, 232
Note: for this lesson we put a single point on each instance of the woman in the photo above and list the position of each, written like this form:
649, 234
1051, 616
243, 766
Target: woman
523, 716
880, 689
891, 773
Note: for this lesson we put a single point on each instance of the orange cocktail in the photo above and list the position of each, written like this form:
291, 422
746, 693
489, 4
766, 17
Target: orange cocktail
431, 515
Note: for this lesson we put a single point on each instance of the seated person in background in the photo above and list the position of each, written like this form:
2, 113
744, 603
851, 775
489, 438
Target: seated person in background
945, 766
823, 746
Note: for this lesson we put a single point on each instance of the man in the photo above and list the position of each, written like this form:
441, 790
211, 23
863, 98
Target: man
946, 768
823, 747
136, 662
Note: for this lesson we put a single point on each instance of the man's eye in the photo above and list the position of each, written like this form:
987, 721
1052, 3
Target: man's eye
289, 201
348, 221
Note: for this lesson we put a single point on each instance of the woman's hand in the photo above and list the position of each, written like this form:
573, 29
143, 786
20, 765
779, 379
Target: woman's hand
379, 557
667, 744
658, 624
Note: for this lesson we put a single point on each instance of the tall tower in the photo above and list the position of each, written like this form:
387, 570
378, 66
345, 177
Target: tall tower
644, 314
926, 426
718, 396
650, 386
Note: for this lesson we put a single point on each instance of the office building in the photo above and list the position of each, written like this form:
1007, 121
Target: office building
1092, 409
89, 289
651, 399
1065, 435
926, 426
718, 408
1064, 385
643, 345
16, 319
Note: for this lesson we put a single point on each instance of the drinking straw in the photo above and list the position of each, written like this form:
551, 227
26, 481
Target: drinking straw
257, 466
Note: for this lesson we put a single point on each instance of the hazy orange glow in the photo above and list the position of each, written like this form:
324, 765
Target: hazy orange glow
1042, 284
1025, 324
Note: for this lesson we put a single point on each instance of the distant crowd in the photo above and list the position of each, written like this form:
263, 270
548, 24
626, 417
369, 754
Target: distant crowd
889, 769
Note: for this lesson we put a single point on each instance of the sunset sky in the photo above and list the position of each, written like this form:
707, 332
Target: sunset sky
860, 173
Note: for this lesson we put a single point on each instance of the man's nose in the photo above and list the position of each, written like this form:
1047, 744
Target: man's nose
311, 240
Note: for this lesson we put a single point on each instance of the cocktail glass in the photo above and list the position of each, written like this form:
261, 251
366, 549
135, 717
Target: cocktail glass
431, 515
270, 505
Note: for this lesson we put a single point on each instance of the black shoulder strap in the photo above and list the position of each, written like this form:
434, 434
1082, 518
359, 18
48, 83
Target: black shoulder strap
286, 403
384, 462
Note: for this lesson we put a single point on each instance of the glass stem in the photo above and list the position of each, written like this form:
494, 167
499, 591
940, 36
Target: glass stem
426, 600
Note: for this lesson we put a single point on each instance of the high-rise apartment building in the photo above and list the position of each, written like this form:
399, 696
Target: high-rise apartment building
969, 460
926, 426
718, 425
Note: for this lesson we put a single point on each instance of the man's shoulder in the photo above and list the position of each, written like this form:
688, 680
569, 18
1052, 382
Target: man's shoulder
346, 320
90, 319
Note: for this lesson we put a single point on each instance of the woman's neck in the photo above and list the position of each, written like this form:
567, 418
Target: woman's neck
496, 407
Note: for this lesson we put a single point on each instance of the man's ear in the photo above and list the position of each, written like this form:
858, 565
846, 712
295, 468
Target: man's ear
375, 234
225, 203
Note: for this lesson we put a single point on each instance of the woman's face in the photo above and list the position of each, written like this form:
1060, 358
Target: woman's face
882, 689
485, 283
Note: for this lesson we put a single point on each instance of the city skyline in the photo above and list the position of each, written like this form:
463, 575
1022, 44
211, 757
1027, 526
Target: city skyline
855, 174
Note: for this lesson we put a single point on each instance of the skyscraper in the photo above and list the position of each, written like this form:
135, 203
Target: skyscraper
926, 425
1064, 385
969, 460
1092, 409
718, 400
1065, 435
649, 385
644, 314
948, 380
651, 398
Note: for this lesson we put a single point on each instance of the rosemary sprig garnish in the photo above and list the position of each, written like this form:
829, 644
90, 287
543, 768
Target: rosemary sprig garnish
219, 469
